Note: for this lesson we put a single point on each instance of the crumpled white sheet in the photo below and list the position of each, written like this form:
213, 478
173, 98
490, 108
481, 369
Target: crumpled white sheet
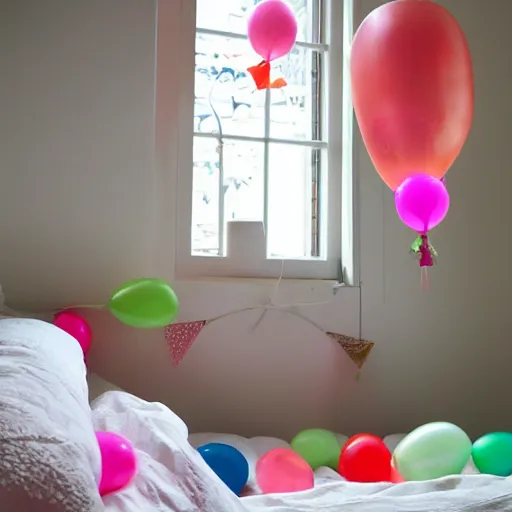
173, 477
477, 493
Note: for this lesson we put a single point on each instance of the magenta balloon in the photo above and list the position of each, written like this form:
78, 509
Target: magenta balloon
118, 462
76, 326
272, 29
422, 202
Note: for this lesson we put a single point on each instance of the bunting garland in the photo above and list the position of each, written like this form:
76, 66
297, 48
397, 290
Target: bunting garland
181, 336
358, 350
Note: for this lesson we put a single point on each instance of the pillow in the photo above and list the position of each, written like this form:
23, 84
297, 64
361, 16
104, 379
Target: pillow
49, 456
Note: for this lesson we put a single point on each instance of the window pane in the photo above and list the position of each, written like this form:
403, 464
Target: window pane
224, 87
231, 16
291, 229
242, 188
295, 109
205, 198
225, 15
243, 180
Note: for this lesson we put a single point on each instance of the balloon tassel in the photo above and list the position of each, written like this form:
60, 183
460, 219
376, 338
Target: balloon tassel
424, 282
261, 76
424, 251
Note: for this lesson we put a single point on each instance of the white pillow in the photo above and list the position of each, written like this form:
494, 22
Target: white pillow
49, 457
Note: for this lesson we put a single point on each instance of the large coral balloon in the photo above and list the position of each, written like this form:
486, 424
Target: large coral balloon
412, 87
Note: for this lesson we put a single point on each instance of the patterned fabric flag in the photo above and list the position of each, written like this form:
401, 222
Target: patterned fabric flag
358, 350
180, 337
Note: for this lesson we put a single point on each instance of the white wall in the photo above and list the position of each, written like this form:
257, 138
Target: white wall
446, 354
85, 206
76, 146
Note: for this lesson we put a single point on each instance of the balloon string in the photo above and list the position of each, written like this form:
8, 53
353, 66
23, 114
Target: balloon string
214, 112
271, 305
285, 308
81, 306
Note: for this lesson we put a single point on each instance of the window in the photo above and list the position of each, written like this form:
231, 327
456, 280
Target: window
260, 172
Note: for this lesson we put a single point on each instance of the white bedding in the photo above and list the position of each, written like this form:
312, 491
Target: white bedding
49, 456
173, 477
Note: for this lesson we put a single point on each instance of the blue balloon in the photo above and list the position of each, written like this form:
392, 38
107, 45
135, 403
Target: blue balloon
227, 463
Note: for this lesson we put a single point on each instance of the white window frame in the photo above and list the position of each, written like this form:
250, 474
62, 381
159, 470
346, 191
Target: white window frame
341, 186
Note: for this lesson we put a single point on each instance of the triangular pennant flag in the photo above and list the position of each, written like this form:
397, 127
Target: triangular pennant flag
180, 337
358, 350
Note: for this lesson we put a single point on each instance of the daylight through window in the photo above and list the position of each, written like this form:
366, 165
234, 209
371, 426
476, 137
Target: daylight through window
275, 151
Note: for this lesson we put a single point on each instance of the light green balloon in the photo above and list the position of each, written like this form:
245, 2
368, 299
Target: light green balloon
432, 451
145, 303
318, 447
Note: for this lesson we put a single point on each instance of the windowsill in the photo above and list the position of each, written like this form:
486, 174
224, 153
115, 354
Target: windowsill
324, 284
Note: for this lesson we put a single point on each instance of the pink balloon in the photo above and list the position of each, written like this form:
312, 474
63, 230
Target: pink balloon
422, 202
118, 462
272, 29
76, 326
283, 470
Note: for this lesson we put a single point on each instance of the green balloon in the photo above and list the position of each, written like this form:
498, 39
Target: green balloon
492, 454
145, 303
317, 447
432, 451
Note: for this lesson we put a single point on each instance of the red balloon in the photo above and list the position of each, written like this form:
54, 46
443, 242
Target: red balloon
365, 458
412, 88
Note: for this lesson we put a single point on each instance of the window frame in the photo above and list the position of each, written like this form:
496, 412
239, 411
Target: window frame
341, 183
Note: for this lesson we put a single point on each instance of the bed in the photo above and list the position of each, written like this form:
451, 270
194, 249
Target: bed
50, 459
173, 477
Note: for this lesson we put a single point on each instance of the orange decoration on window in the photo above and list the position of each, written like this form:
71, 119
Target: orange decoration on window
261, 77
